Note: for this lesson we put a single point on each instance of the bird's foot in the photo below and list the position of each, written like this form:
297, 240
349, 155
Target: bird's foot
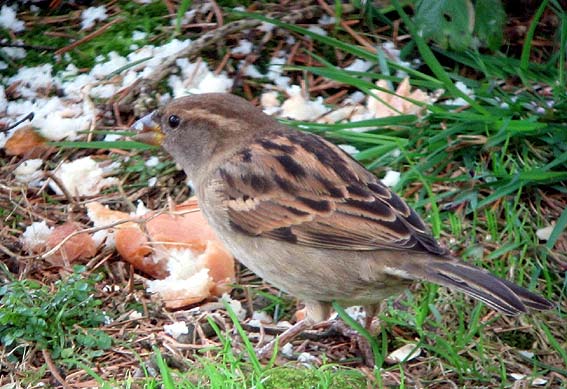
338, 327
267, 351
331, 328
365, 350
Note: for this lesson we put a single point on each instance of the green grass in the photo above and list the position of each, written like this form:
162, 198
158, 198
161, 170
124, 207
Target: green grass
217, 374
237, 369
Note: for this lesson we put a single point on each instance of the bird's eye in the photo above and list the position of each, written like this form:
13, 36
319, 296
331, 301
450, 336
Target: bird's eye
173, 121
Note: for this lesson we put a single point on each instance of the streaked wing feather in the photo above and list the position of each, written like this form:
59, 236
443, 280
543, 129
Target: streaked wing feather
311, 193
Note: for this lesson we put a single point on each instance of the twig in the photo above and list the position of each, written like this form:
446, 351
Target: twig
7, 251
222, 63
218, 13
70, 198
348, 29
170, 7
53, 369
185, 346
92, 35
29, 117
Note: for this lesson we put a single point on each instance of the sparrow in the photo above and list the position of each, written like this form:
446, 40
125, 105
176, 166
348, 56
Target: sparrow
303, 215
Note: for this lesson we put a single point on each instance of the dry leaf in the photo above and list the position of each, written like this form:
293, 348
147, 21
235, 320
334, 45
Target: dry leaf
26, 141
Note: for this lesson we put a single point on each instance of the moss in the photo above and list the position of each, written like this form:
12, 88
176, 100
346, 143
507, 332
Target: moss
292, 378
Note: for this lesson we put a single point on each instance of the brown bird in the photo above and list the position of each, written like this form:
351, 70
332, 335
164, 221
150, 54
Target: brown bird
303, 215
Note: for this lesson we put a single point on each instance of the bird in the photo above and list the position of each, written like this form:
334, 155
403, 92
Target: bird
305, 216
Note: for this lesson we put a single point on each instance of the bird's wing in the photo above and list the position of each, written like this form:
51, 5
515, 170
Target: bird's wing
298, 187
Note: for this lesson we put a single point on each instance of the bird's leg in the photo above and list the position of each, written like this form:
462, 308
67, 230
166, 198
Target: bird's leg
363, 343
371, 312
315, 311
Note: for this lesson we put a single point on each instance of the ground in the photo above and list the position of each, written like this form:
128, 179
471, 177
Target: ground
474, 139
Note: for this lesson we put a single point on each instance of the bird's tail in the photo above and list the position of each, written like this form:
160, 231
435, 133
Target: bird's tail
497, 293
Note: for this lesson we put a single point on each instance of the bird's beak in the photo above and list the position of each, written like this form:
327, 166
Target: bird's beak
149, 131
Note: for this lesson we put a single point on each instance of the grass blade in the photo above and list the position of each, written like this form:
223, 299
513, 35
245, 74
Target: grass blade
167, 380
525, 57
557, 230
562, 53
433, 63
247, 344
378, 357
352, 49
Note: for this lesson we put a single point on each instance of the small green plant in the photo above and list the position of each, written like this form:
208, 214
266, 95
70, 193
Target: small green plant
62, 320
460, 24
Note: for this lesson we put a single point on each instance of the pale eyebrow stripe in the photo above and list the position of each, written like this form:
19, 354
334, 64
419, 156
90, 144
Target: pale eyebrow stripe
219, 120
